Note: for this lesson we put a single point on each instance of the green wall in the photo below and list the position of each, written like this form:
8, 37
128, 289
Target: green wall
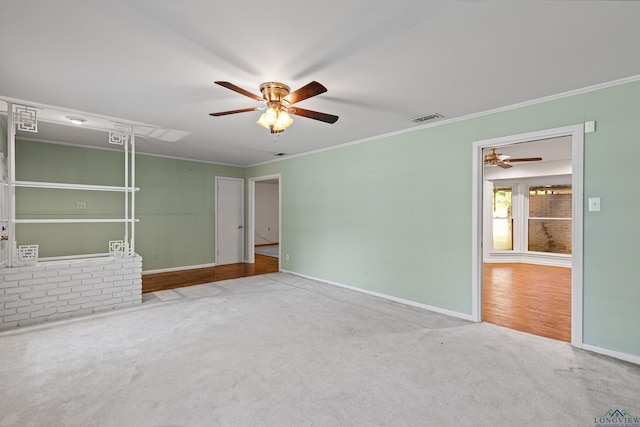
175, 203
388, 216
65, 164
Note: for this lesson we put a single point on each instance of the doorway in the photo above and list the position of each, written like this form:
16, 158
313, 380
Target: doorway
482, 241
229, 228
264, 222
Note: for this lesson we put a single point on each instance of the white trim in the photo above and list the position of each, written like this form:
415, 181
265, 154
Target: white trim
577, 257
577, 135
217, 179
11, 178
172, 269
439, 310
560, 95
529, 258
251, 221
132, 187
612, 353
185, 159
126, 184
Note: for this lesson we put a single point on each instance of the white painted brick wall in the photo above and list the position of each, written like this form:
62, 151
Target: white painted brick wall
63, 289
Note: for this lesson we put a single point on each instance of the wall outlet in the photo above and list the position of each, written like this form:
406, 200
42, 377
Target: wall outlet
286, 257
81, 205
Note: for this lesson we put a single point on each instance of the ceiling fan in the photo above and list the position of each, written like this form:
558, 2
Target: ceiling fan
278, 101
503, 161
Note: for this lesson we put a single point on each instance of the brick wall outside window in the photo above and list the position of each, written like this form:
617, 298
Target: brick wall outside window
550, 235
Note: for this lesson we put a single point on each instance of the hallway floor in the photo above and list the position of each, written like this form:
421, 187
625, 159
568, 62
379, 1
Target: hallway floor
528, 298
198, 276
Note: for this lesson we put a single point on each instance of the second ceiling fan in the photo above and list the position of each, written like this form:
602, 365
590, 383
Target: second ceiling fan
278, 101
503, 161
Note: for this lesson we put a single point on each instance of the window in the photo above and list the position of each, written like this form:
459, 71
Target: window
502, 219
549, 224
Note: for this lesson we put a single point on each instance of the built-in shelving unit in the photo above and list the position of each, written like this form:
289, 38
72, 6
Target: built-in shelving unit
124, 136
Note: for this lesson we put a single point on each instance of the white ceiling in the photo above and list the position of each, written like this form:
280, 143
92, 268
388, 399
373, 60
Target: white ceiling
550, 149
155, 61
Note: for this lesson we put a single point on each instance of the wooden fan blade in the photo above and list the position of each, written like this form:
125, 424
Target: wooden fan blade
316, 115
224, 113
240, 90
504, 165
312, 89
525, 159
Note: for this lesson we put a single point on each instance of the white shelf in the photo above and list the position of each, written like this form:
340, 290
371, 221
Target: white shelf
74, 257
63, 186
73, 221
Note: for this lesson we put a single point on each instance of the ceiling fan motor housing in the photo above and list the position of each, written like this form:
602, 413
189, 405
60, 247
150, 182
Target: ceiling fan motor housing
274, 91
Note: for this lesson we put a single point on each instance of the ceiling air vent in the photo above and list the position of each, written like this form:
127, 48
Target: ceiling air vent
426, 118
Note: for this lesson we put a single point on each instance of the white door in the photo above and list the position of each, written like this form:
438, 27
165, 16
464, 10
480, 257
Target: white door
229, 220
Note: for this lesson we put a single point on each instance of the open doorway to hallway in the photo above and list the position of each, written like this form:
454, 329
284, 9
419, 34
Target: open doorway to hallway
528, 223
264, 220
266, 230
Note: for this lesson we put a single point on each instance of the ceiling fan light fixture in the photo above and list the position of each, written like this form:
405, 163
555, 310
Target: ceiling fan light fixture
284, 121
271, 116
275, 123
262, 122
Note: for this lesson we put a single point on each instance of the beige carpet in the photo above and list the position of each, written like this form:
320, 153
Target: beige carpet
279, 350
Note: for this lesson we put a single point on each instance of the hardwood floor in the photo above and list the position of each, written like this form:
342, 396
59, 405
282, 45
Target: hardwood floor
198, 276
529, 298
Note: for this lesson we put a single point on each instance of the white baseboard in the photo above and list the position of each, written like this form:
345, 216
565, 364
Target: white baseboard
613, 353
529, 259
389, 297
186, 267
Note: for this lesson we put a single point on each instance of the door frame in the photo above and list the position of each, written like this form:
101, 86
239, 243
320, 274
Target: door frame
251, 221
577, 181
215, 198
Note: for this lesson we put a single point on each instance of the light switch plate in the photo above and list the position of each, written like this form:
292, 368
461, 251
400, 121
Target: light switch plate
589, 127
594, 204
